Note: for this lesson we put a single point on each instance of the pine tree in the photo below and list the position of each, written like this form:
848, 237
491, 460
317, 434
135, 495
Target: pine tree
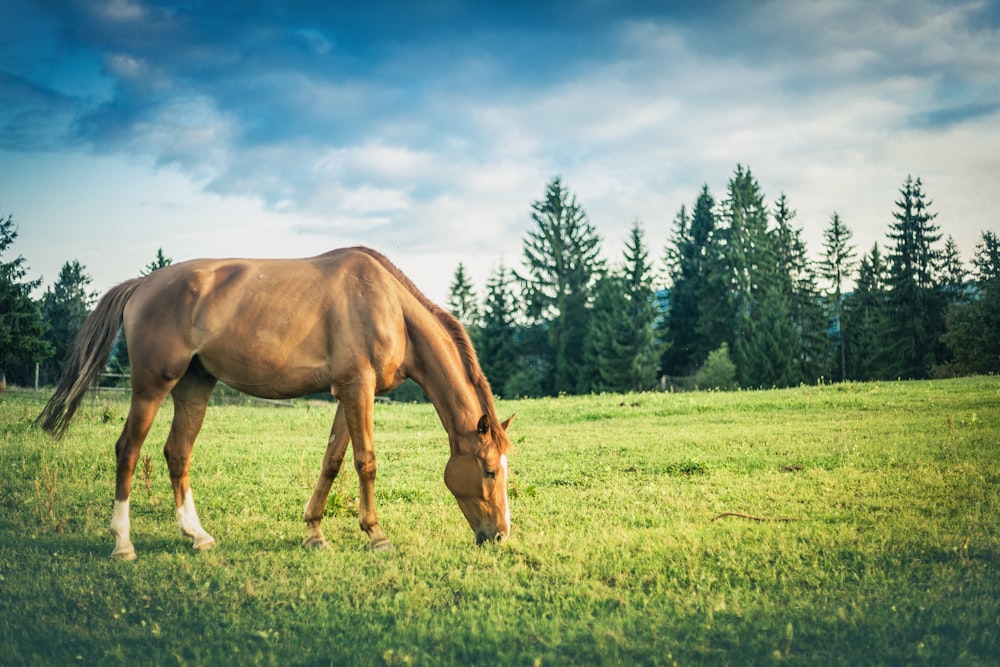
562, 264
496, 343
795, 280
953, 274
158, 262
916, 314
623, 347
682, 303
972, 325
687, 260
771, 360
987, 261
748, 262
866, 320
786, 341
716, 305
645, 313
835, 266
65, 306
610, 348
22, 329
462, 299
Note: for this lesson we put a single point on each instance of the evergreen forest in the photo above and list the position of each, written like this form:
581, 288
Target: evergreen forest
734, 300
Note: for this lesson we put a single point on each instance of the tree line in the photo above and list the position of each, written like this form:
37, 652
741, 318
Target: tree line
734, 301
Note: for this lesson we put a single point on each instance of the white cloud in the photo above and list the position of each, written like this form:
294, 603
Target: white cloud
375, 161
124, 66
367, 199
121, 10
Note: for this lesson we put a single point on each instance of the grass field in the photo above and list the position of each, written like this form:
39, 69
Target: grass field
894, 556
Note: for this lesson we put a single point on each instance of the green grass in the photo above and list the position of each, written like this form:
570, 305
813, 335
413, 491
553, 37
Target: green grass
614, 559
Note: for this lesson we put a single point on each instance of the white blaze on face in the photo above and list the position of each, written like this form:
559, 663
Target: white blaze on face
506, 480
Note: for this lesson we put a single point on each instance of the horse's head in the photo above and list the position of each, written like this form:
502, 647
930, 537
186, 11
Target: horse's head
477, 475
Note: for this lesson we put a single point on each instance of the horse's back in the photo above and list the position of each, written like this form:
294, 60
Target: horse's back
272, 327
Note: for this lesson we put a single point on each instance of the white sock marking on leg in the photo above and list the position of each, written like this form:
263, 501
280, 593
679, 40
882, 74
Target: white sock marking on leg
187, 521
120, 531
120, 519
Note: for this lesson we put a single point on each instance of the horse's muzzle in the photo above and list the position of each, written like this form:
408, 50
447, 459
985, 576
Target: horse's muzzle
482, 537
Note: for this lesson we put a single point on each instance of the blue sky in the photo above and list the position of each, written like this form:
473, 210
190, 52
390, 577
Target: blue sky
426, 129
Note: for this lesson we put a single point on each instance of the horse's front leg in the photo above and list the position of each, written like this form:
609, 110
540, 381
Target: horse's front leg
359, 405
332, 460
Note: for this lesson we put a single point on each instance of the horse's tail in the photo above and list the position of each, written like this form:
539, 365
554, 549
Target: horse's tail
87, 358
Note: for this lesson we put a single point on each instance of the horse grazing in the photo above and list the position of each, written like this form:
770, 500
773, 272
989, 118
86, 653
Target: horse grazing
348, 322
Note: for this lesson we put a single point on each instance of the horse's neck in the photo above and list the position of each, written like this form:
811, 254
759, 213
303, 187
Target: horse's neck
441, 374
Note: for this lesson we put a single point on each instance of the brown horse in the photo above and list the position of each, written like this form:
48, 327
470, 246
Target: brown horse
348, 322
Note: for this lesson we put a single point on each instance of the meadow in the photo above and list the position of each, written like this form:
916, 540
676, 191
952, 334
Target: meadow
618, 555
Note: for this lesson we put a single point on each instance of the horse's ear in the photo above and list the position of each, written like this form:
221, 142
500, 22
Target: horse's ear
506, 424
484, 425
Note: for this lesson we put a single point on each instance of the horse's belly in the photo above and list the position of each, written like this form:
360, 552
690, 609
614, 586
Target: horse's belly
266, 374
282, 389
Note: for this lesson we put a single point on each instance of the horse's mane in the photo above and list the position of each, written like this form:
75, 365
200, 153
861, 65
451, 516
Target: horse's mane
458, 335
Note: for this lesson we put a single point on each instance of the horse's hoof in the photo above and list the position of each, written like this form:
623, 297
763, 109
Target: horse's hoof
315, 543
126, 553
380, 545
204, 544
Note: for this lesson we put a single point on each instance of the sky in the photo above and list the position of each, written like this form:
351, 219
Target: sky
426, 129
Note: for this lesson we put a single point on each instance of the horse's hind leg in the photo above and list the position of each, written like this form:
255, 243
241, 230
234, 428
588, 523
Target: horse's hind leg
332, 460
140, 417
190, 402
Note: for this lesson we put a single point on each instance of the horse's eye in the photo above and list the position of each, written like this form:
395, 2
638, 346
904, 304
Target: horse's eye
490, 474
